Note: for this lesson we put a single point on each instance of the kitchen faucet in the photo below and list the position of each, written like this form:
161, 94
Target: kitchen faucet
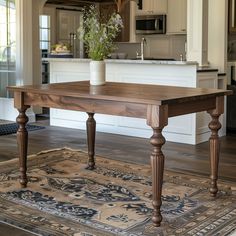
143, 41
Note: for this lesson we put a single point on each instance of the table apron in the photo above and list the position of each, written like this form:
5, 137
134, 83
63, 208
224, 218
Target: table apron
87, 105
115, 107
191, 106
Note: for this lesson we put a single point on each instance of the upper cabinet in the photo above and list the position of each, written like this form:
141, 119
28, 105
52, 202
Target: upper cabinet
232, 17
177, 17
149, 7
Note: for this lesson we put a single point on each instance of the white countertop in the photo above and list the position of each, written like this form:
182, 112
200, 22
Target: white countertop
61, 59
156, 62
124, 61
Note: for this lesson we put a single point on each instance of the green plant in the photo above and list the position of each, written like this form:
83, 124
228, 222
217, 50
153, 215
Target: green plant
99, 37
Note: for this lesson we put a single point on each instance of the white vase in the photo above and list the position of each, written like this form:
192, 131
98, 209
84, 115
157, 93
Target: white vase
97, 73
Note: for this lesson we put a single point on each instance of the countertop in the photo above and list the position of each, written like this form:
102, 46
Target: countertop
156, 62
207, 69
124, 61
135, 61
60, 59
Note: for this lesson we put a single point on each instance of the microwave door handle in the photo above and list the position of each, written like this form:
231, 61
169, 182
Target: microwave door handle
156, 24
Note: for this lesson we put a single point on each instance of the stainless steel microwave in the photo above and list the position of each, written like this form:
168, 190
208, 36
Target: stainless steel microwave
151, 24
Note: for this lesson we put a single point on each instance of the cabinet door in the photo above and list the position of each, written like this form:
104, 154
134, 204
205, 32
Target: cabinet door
153, 7
159, 6
177, 17
146, 7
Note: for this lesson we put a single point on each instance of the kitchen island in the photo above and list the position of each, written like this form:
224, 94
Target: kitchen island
191, 128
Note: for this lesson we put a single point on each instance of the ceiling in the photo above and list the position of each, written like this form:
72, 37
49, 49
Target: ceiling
76, 3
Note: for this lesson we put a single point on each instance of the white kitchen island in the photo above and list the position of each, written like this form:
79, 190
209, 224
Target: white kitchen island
191, 129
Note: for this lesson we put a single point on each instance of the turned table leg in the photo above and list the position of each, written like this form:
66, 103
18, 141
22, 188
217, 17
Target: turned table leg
91, 131
22, 141
157, 164
214, 141
157, 118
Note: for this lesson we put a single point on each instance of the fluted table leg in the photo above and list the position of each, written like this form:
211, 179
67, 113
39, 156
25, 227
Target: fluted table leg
157, 164
157, 118
214, 141
91, 131
22, 141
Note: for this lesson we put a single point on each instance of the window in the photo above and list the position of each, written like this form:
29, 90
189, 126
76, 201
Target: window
44, 28
7, 45
7, 30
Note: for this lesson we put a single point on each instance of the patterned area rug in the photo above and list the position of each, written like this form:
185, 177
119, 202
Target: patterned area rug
63, 198
12, 128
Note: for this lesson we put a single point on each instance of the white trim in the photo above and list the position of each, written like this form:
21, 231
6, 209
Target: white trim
23, 42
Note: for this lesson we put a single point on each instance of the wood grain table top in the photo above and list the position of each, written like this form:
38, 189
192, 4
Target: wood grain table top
127, 92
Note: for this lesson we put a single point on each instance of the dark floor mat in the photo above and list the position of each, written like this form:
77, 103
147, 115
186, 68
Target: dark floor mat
13, 127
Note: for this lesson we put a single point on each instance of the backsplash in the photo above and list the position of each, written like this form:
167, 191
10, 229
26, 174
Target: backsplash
128, 48
158, 46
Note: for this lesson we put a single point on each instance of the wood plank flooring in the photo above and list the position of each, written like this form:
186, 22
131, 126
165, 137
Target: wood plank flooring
179, 157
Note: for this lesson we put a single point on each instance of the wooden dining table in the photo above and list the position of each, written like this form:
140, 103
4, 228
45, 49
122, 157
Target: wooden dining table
153, 102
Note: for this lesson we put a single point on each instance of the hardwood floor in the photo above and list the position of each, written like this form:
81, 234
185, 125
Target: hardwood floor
179, 157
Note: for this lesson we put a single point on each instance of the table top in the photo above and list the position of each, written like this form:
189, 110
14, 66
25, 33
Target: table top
134, 93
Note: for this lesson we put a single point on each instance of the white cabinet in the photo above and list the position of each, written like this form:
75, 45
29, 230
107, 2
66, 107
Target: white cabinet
153, 7
177, 17
159, 6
